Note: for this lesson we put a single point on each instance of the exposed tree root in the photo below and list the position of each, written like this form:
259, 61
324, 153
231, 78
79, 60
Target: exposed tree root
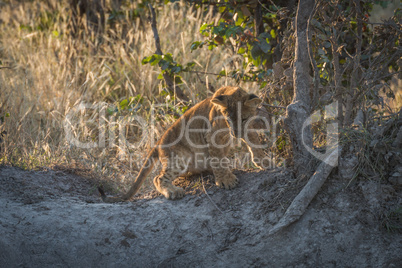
303, 199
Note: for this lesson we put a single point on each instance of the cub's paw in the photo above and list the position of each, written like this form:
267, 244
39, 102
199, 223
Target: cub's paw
173, 193
227, 181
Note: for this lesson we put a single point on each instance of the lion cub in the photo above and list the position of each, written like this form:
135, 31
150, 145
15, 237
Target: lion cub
199, 141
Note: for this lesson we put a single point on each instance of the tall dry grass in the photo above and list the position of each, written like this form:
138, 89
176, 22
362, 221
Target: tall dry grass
49, 72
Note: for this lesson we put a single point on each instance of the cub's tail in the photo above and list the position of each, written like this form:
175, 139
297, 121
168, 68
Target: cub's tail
142, 175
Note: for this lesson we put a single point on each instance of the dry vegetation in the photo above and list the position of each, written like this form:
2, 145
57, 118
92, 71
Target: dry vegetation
45, 73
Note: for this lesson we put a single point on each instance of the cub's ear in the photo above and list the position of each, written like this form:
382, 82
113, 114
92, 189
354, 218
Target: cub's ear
253, 101
220, 100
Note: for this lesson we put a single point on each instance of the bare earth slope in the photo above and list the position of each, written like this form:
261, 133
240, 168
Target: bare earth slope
53, 218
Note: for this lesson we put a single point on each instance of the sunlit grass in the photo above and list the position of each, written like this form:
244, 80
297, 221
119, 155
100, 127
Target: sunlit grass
50, 73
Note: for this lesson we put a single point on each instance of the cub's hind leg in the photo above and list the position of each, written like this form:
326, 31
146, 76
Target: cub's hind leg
163, 183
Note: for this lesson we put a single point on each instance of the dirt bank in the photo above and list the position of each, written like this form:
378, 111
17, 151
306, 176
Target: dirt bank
54, 218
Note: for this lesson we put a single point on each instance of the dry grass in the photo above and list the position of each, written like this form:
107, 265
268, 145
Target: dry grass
51, 73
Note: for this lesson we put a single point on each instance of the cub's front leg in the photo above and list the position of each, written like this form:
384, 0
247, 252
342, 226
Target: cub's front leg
253, 145
220, 165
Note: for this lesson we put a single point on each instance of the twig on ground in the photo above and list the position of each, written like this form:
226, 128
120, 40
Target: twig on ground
205, 224
210, 199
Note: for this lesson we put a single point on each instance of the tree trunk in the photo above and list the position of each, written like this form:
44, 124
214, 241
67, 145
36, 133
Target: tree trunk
298, 112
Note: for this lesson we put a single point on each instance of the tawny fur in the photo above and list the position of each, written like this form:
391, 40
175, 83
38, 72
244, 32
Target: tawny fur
210, 128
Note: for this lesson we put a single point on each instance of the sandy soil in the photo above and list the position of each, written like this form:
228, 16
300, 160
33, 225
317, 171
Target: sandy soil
55, 218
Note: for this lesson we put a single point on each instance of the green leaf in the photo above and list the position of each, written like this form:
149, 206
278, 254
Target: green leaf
160, 76
164, 93
255, 51
229, 32
241, 50
164, 64
178, 80
110, 110
232, 31
190, 64
218, 30
153, 60
222, 73
269, 72
25, 27
321, 51
184, 108
138, 98
317, 24
264, 35
257, 61
240, 19
176, 69
145, 60
123, 104
273, 33
265, 47
322, 37
195, 45
168, 57
204, 27
327, 44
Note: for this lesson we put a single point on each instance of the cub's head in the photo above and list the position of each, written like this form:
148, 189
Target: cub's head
237, 106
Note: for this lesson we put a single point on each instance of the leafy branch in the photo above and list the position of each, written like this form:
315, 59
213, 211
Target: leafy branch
167, 61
